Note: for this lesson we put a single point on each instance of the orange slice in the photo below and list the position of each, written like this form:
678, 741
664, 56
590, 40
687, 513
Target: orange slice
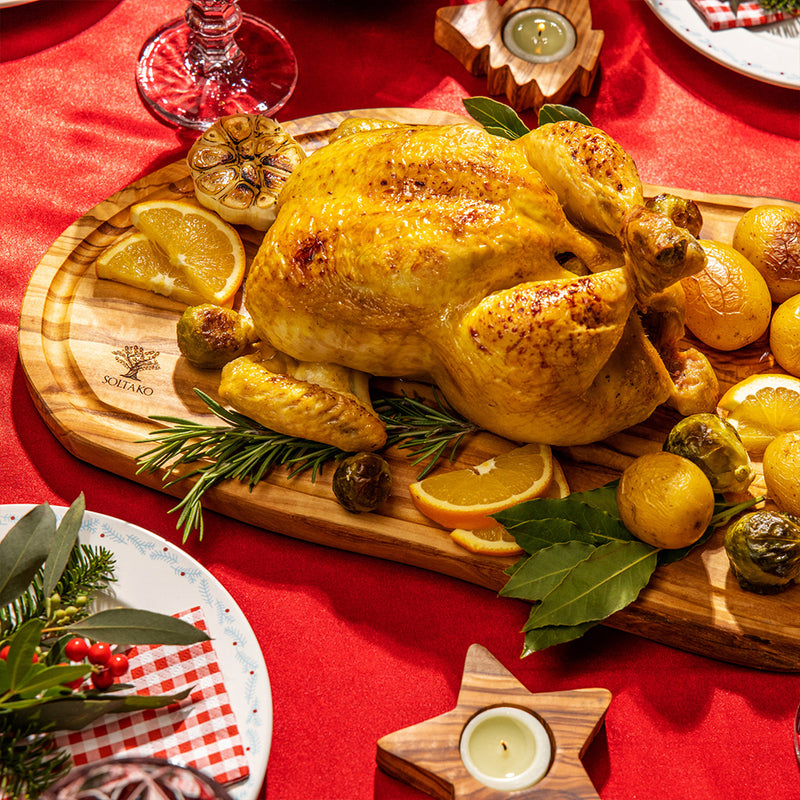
465, 498
751, 384
494, 541
136, 261
762, 407
206, 248
559, 488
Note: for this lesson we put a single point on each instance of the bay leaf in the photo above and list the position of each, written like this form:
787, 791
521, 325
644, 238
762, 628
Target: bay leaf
497, 118
533, 535
64, 540
588, 523
24, 550
541, 638
608, 580
137, 626
541, 572
552, 112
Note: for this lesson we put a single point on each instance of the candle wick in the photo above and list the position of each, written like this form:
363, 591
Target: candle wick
503, 744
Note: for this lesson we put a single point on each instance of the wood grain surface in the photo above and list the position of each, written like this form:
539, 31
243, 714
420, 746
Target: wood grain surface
473, 33
427, 755
73, 326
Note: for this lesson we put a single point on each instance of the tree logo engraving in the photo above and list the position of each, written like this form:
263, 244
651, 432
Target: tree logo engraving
136, 359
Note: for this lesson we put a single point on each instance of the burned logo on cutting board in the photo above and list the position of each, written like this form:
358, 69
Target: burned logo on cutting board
134, 359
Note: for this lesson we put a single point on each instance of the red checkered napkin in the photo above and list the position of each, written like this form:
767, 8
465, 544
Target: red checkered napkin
718, 14
200, 731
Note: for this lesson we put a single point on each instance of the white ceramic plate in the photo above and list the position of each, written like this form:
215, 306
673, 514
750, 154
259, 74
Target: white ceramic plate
769, 53
156, 575
6, 3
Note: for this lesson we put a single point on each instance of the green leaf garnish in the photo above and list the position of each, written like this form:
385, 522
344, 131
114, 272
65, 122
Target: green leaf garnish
24, 550
582, 564
136, 626
609, 579
496, 118
64, 540
557, 113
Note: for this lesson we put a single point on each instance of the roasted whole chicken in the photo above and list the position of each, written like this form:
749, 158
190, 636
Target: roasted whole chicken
526, 279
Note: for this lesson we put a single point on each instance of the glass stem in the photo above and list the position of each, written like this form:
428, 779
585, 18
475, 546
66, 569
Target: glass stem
212, 25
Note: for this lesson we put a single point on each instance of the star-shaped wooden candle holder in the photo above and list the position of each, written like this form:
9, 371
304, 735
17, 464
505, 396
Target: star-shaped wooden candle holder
428, 757
473, 33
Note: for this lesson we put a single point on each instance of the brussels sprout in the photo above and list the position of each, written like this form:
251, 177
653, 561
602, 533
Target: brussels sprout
714, 445
684, 213
763, 548
362, 482
210, 336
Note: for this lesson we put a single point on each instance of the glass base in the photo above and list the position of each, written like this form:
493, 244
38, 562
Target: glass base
179, 93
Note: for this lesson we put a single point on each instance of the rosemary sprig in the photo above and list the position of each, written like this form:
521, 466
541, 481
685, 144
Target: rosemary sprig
243, 450
426, 431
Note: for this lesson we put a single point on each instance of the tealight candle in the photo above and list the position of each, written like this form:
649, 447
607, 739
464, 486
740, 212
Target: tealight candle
539, 35
505, 747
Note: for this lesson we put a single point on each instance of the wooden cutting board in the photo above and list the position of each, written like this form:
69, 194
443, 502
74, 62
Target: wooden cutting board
75, 328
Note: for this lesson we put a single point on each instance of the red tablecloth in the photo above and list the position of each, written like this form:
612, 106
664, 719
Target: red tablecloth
357, 647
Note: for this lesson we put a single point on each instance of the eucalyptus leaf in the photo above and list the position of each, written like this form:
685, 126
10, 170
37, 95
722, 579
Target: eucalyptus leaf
541, 572
550, 112
24, 550
65, 537
497, 118
74, 713
541, 638
21, 651
136, 626
608, 580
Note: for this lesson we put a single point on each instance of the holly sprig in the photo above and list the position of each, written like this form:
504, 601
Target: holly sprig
47, 583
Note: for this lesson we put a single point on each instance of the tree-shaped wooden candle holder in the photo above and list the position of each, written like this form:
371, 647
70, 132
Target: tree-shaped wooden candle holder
512, 46
431, 755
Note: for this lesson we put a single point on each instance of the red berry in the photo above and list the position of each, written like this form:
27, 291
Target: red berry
118, 664
102, 679
99, 653
4, 652
76, 649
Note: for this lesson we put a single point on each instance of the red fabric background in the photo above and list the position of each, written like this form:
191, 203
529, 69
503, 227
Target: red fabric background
356, 647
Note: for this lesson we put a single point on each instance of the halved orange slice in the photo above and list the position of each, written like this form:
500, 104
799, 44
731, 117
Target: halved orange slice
494, 541
762, 407
136, 261
206, 248
465, 498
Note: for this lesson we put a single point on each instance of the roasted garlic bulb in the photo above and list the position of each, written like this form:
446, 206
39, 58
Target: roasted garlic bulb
239, 166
